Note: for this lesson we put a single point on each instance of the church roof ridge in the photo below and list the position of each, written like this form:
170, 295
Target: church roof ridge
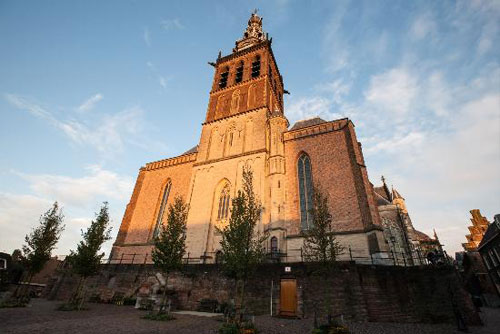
306, 123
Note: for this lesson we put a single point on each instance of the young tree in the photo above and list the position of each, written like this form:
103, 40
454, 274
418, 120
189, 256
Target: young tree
320, 245
41, 241
242, 244
170, 245
87, 259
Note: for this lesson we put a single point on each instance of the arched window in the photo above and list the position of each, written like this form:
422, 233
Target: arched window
223, 77
239, 73
256, 67
274, 246
161, 212
223, 211
305, 190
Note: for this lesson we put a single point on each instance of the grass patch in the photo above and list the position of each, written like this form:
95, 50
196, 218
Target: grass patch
159, 317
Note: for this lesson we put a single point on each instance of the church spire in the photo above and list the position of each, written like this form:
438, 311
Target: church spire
253, 33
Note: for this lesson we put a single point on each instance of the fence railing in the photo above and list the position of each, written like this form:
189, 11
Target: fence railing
290, 256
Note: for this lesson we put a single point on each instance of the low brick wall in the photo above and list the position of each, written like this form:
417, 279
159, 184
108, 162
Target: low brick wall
358, 292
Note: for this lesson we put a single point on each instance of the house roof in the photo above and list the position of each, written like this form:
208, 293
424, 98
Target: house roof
490, 234
381, 200
307, 122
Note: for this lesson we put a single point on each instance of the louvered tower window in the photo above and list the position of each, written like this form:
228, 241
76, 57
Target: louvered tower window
256, 67
163, 205
223, 78
239, 73
305, 191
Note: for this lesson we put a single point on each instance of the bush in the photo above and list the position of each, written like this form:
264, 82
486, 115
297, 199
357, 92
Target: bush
70, 307
331, 329
159, 317
234, 328
12, 303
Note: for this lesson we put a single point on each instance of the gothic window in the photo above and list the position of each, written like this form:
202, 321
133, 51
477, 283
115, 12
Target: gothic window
224, 198
239, 73
161, 212
305, 190
223, 77
251, 96
256, 67
274, 245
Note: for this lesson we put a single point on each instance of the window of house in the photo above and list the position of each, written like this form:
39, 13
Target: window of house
239, 73
256, 67
305, 190
274, 245
485, 259
223, 211
223, 78
161, 212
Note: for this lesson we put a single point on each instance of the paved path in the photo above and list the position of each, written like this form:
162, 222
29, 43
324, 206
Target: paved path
41, 317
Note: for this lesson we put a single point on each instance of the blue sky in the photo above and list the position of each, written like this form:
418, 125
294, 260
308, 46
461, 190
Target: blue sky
91, 91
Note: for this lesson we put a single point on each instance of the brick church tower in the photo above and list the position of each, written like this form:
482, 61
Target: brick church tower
245, 125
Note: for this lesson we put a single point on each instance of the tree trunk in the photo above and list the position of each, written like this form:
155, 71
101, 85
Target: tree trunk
82, 299
73, 299
164, 297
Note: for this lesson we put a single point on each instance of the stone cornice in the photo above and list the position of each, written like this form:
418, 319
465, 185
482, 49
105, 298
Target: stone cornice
262, 150
317, 129
234, 115
181, 159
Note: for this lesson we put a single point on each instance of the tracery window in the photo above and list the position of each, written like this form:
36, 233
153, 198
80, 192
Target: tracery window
274, 245
305, 190
256, 67
161, 212
224, 198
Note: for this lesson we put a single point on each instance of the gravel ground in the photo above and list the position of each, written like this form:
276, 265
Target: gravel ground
41, 317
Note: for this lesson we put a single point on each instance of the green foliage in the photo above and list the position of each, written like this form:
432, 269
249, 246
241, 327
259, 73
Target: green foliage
320, 245
170, 246
235, 328
42, 240
70, 307
242, 245
159, 316
87, 259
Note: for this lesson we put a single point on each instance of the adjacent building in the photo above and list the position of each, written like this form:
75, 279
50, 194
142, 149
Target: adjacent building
489, 248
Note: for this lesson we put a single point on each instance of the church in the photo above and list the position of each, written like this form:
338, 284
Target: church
246, 125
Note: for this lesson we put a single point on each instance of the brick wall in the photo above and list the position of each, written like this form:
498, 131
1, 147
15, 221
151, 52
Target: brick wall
360, 293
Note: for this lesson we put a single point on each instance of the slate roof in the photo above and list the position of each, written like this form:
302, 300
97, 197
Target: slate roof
191, 150
382, 193
307, 122
381, 200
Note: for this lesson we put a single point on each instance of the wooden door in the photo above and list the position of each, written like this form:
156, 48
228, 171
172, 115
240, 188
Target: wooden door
288, 297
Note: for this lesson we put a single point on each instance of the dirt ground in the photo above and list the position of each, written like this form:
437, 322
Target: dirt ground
41, 317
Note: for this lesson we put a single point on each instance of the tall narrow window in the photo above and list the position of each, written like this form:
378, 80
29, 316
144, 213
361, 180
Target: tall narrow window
274, 245
163, 205
239, 73
223, 211
223, 78
305, 190
256, 67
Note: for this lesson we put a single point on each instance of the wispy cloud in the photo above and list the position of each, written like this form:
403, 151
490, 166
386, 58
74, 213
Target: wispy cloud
90, 103
162, 80
146, 35
172, 24
107, 133
78, 196
423, 26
